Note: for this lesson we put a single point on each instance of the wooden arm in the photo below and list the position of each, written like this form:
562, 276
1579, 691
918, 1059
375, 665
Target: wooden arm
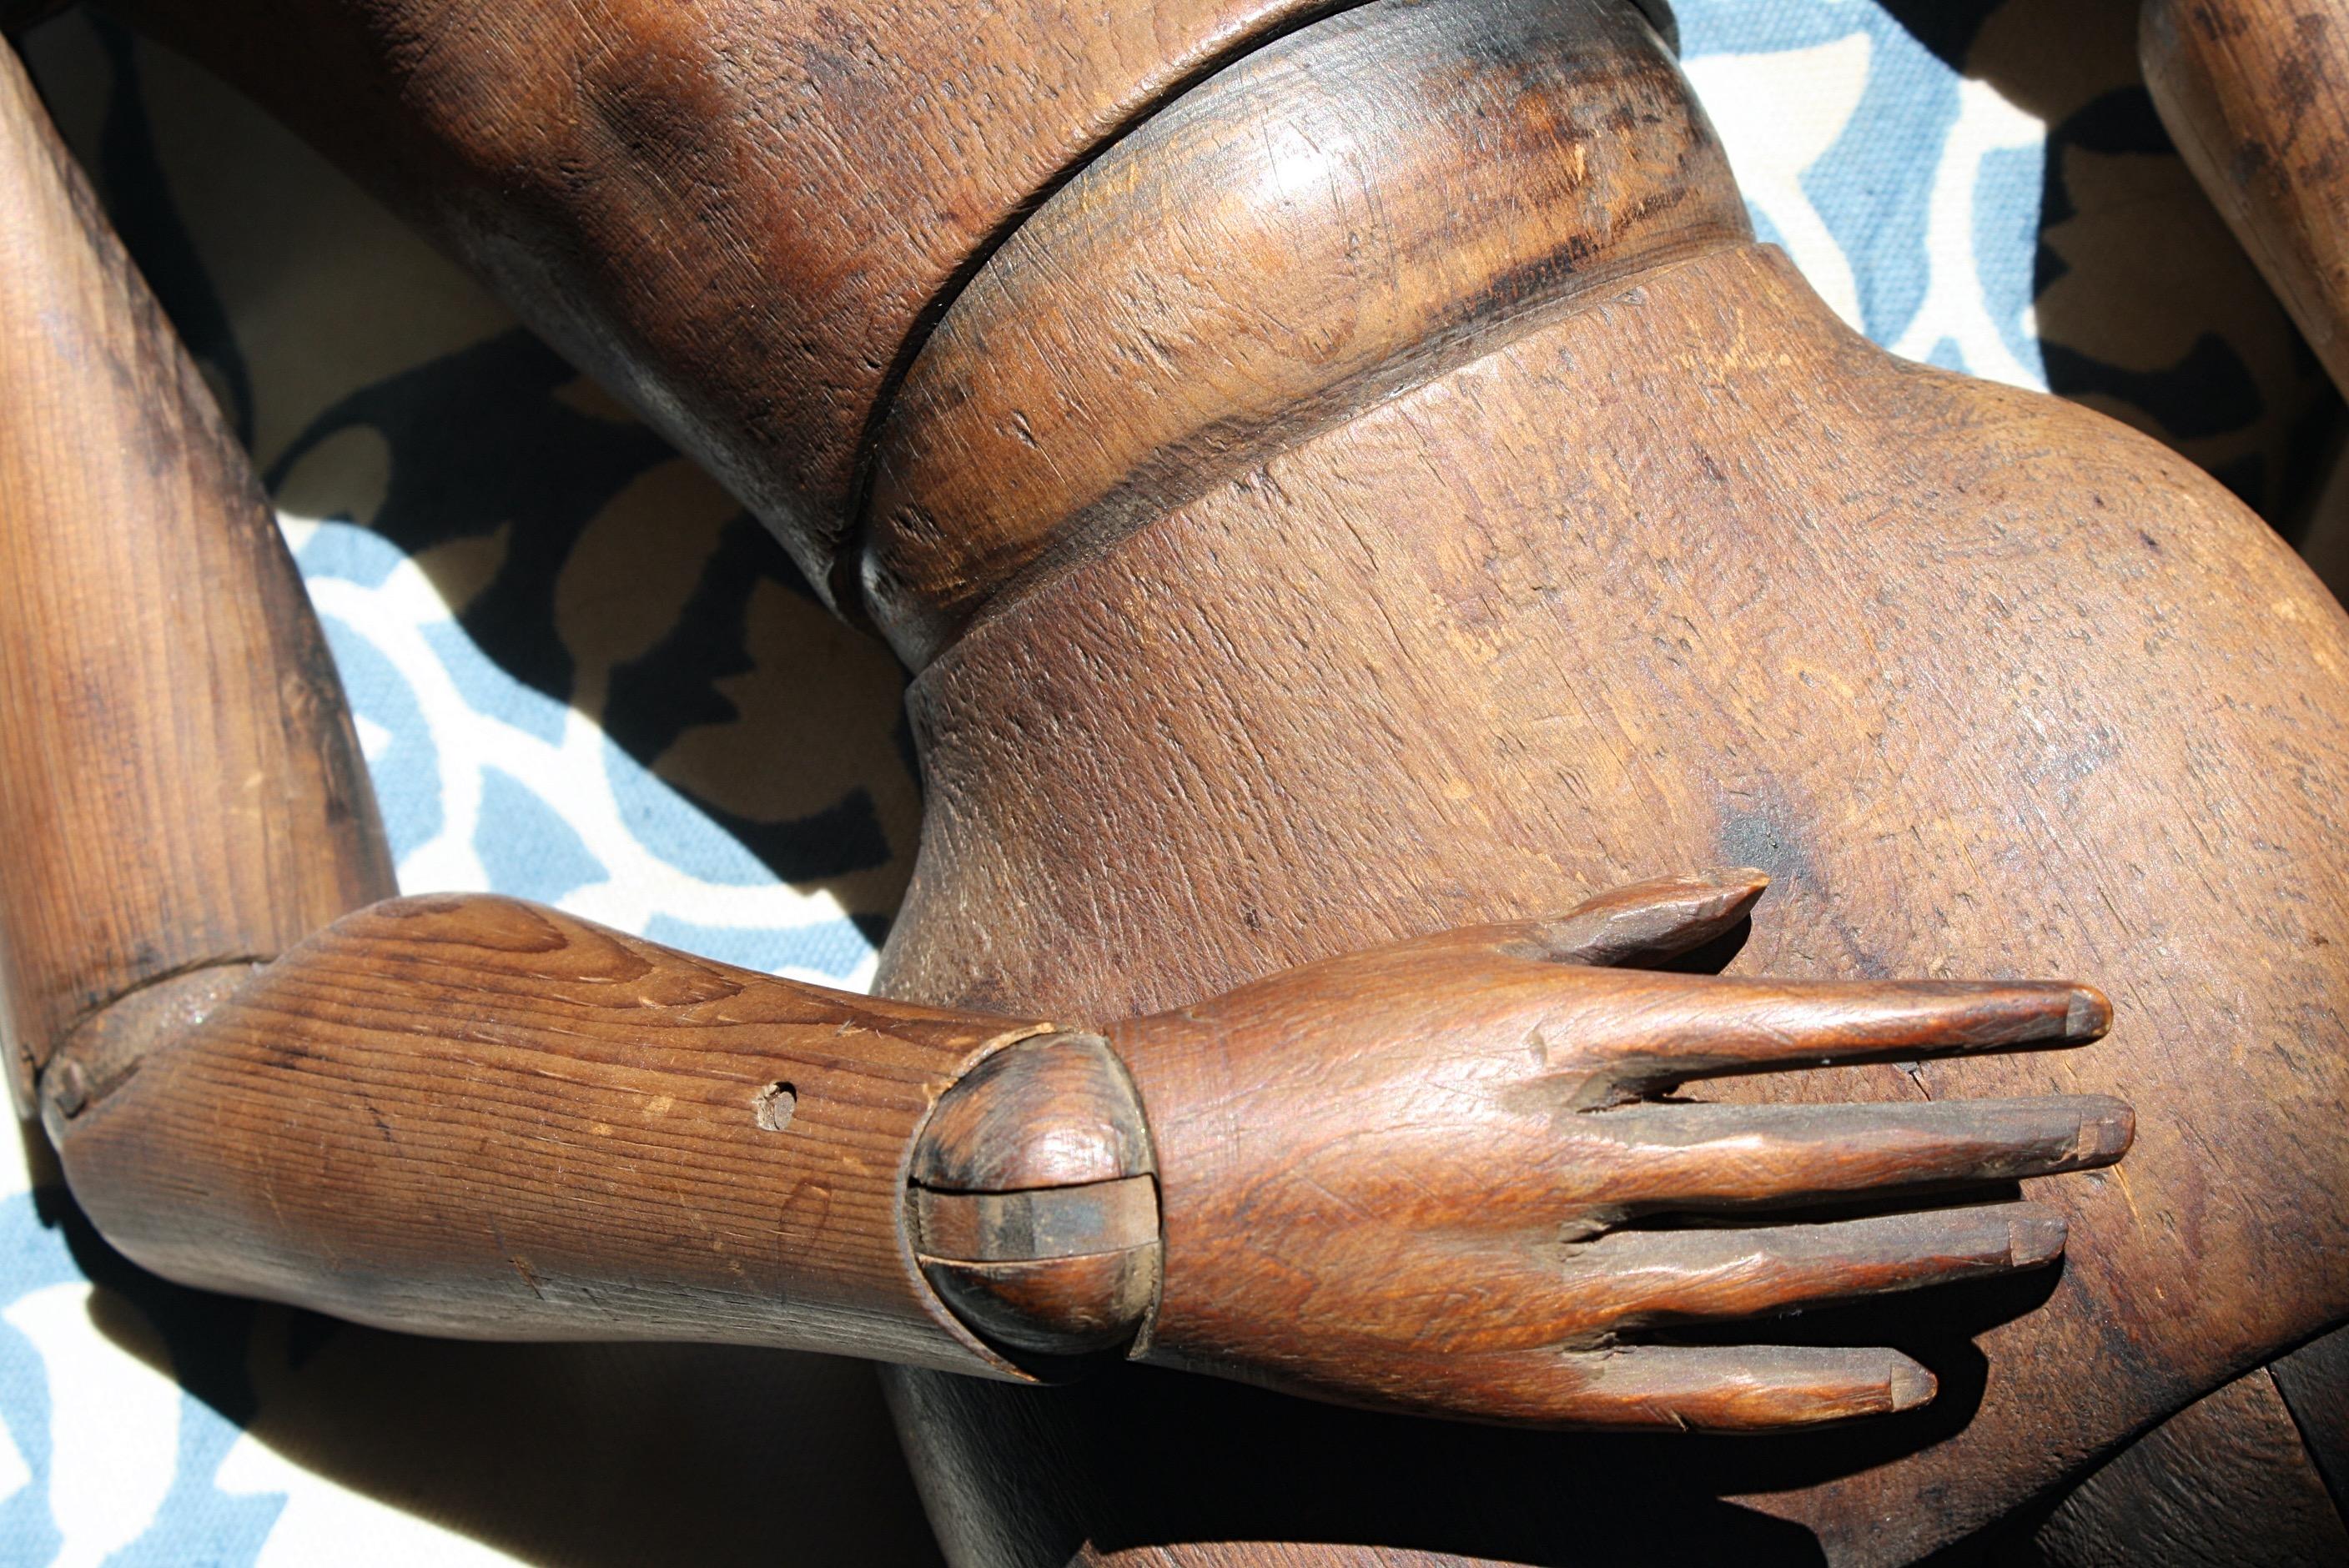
2256, 95
472, 1116
180, 794
477, 1117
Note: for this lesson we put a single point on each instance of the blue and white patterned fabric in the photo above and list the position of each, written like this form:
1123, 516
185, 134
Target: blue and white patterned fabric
582, 675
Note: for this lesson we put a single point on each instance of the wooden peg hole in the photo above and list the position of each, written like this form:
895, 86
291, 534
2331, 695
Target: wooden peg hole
775, 1106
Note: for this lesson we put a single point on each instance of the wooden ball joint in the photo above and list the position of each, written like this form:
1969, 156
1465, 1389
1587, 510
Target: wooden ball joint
1033, 1202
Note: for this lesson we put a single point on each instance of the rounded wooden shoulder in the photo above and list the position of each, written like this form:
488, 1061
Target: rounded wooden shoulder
739, 214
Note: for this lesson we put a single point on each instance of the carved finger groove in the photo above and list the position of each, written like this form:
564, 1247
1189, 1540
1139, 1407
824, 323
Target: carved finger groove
1704, 1156
1741, 1388
1694, 1275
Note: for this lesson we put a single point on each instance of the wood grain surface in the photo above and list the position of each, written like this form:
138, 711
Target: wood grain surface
1348, 209
2224, 1481
2315, 1383
1452, 1176
1684, 572
180, 793
473, 1115
1592, 547
2256, 95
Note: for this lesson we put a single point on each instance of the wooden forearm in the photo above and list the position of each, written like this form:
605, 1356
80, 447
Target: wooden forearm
2256, 95
476, 1117
180, 794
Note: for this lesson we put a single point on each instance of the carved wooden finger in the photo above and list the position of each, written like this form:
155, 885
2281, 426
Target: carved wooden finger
1672, 1028
1635, 1279
1725, 1388
1700, 1159
1651, 921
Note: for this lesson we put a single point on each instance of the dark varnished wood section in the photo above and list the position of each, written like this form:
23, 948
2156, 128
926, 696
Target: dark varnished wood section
1035, 1203
473, 1115
2256, 95
1982, 679
2315, 1383
2224, 1481
2255, 1472
1345, 211
180, 794
733, 213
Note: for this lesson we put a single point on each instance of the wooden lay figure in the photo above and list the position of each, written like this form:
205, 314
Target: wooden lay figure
1349, 484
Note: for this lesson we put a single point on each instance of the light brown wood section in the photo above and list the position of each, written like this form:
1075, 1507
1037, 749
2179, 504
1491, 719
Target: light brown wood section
733, 213
2256, 95
1988, 685
1346, 212
179, 789
477, 1117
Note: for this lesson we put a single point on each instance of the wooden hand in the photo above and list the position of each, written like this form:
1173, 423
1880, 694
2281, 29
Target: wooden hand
1450, 1175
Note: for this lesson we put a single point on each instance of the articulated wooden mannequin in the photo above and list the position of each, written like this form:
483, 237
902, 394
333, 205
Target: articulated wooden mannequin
472, 1116
1341, 476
